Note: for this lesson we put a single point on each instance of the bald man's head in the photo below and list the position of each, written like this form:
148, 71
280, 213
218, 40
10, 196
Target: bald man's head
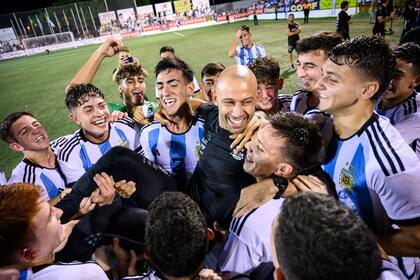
236, 91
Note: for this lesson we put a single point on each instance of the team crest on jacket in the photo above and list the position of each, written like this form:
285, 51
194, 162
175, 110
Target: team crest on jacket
124, 143
239, 156
346, 179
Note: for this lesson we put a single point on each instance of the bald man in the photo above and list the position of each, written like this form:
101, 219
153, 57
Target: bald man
219, 177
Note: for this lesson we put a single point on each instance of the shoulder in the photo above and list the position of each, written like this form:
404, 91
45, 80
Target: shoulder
300, 93
73, 141
69, 271
125, 122
257, 45
23, 172
152, 126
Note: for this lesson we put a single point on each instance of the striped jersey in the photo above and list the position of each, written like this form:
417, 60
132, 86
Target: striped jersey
3, 180
177, 153
405, 116
248, 244
376, 174
246, 56
299, 104
285, 100
51, 180
64, 271
79, 154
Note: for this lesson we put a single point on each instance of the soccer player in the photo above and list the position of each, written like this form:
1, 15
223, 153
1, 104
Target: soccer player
343, 21
96, 135
401, 101
130, 79
314, 237
209, 76
381, 18
267, 72
175, 145
168, 51
312, 54
287, 147
32, 233
375, 172
247, 51
293, 31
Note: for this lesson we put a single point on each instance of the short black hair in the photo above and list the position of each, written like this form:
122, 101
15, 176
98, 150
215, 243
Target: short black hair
371, 57
79, 94
212, 69
322, 40
166, 49
304, 142
318, 238
266, 69
176, 234
344, 4
410, 53
244, 28
129, 70
175, 62
5, 125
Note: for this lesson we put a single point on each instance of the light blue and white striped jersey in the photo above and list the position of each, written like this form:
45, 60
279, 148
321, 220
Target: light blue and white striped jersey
79, 154
299, 104
51, 180
376, 174
3, 180
248, 244
405, 116
176, 153
246, 56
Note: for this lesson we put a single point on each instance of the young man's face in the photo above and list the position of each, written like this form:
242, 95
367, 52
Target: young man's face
29, 135
93, 117
291, 18
173, 91
208, 86
133, 90
339, 88
236, 99
267, 96
246, 38
264, 153
309, 68
402, 85
48, 232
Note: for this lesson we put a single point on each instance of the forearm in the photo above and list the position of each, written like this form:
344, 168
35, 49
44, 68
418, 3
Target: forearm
88, 70
400, 243
232, 49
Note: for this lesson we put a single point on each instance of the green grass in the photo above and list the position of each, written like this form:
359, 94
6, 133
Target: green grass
36, 84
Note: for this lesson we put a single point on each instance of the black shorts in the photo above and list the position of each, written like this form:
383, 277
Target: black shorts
291, 45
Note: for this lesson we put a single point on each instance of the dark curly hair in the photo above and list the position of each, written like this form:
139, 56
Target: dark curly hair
212, 69
129, 70
304, 142
322, 40
5, 125
79, 94
318, 238
266, 70
371, 57
176, 235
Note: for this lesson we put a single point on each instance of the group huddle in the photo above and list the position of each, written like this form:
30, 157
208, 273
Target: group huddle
228, 179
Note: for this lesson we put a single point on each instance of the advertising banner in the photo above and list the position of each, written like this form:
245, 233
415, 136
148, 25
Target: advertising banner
182, 6
164, 8
201, 4
145, 10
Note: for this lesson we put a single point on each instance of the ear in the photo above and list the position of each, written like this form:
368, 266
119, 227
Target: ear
120, 89
27, 255
284, 170
210, 234
16, 147
369, 90
278, 274
74, 118
190, 89
279, 83
416, 81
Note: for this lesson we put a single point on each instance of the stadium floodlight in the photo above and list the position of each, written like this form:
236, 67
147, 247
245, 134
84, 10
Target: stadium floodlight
48, 40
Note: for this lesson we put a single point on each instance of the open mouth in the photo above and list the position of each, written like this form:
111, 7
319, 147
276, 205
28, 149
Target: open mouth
39, 139
100, 122
237, 122
169, 101
248, 158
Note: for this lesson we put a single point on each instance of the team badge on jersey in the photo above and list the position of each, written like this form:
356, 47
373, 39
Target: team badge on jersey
124, 143
239, 156
197, 150
346, 179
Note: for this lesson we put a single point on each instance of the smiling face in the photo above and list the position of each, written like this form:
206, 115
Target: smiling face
309, 68
48, 232
402, 85
264, 153
236, 99
339, 88
29, 135
246, 38
208, 84
173, 91
267, 96
133, 90
93, 117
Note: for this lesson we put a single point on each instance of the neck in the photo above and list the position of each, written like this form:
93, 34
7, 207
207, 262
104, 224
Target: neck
388, 103
96, 139
349, 121
45, 158
248, 45
313, 100
180, 124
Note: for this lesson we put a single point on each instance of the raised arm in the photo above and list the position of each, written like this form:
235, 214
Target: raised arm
232, 49
86, 74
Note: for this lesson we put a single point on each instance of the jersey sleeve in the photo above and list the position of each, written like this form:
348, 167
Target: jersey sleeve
3, 180
145, 149
71, 165
262, 52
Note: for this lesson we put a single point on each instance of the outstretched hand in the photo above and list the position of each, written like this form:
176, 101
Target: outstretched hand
110, 47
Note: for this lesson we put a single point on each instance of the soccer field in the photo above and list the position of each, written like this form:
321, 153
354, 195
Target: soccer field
36, 84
